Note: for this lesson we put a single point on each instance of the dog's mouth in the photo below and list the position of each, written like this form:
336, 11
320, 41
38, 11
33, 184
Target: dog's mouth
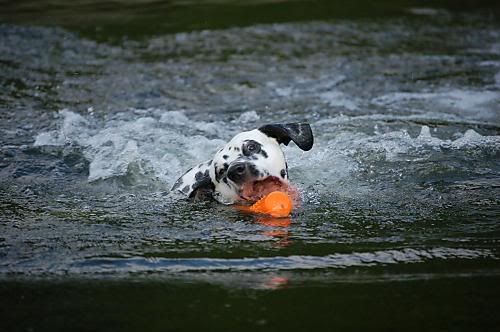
255, 190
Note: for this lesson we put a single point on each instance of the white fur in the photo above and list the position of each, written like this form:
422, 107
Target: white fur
260, 153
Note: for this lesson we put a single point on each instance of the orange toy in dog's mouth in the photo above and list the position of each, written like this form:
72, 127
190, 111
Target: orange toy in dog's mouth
255, 190
277, 204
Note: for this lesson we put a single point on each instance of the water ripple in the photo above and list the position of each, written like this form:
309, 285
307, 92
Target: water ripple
277, 263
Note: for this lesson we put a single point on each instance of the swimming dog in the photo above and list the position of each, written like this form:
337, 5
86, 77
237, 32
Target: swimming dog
248, 167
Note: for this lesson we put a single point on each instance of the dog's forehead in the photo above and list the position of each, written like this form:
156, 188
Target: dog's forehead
254, 135
269, 151
234, 148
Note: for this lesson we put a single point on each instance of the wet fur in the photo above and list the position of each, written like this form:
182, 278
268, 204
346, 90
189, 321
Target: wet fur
209, 179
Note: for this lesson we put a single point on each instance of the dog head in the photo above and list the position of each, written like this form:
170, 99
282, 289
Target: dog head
248, 166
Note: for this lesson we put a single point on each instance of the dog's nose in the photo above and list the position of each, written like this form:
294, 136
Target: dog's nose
237, 172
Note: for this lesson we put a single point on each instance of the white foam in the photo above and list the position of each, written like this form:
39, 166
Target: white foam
469, 140
72, 124
339, 99
284, 92
472, 139
48, 138
426, 138
165, 144
174, 118
478, 103
490, 63
250, 116
322, 87
160, 147
468, 100
341, 156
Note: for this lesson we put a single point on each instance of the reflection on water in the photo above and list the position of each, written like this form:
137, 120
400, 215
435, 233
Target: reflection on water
276, 283
279, 229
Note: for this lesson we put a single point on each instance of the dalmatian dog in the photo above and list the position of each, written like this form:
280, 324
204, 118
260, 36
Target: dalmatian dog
248, 167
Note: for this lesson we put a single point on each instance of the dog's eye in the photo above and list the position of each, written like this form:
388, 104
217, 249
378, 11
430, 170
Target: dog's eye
251, 148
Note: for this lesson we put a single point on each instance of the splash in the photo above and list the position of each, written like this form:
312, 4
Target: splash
161, 145
158, 146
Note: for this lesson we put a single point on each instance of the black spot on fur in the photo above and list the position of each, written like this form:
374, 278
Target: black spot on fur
219, 172
253, 170
186, 189
225, 156
263, 153
198, 176
203, 183
251, 147
179, 181
216, 167
283, 173
203, 193
237, 149
209, 162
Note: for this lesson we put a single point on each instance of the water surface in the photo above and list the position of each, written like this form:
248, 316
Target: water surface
400, 194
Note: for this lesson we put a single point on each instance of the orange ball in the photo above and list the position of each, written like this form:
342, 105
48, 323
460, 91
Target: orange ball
277, 204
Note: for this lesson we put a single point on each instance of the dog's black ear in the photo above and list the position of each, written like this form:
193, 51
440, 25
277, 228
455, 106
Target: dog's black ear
300, 133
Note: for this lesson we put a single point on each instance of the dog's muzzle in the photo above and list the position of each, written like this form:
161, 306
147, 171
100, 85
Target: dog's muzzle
252, 184
241, 172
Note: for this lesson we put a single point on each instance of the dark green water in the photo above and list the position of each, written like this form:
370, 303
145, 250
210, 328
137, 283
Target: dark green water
104, 104
456, 303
